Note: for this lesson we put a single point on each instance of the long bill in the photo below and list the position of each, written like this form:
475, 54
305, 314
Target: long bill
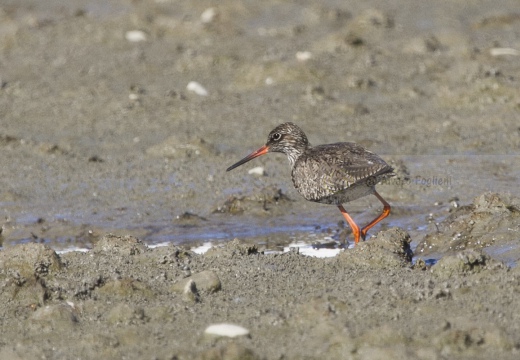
262, 151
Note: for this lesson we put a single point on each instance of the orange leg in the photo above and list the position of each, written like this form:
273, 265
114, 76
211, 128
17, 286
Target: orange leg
385, 213
353, 225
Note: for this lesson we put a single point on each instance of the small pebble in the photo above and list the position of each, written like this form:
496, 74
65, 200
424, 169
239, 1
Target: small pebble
197, 88
303, 55
259, 170
504, 51
208, 15
135, 36
228, 330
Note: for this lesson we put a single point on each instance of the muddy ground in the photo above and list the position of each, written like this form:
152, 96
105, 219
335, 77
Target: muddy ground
100, 133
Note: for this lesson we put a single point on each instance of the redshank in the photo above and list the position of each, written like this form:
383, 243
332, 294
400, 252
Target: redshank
331, 174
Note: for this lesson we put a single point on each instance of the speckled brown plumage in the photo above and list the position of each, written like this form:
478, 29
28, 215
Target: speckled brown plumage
338, 173
329, 174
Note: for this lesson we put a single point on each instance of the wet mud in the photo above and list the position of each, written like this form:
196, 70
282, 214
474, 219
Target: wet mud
118, 120
122, 299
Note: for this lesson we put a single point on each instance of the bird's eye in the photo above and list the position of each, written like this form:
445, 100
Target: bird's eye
276, 136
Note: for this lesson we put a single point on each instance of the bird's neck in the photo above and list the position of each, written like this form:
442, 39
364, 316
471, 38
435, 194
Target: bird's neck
294, 153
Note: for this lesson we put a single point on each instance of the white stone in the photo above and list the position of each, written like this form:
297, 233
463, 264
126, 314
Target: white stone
228, 330
504, 51
259, 170
208, 15
197, 88
135, 36
303, 55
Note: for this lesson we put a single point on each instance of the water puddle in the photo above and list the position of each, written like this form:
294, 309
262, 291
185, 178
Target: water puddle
314, 229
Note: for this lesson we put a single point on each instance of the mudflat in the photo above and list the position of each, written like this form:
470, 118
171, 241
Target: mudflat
118, 120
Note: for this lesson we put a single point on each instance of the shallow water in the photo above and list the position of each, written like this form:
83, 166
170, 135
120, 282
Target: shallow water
417, 202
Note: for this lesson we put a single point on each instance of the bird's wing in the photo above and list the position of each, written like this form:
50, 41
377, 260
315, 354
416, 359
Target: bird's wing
333, 168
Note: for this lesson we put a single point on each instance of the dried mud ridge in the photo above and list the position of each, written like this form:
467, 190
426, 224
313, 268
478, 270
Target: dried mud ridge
125, 300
